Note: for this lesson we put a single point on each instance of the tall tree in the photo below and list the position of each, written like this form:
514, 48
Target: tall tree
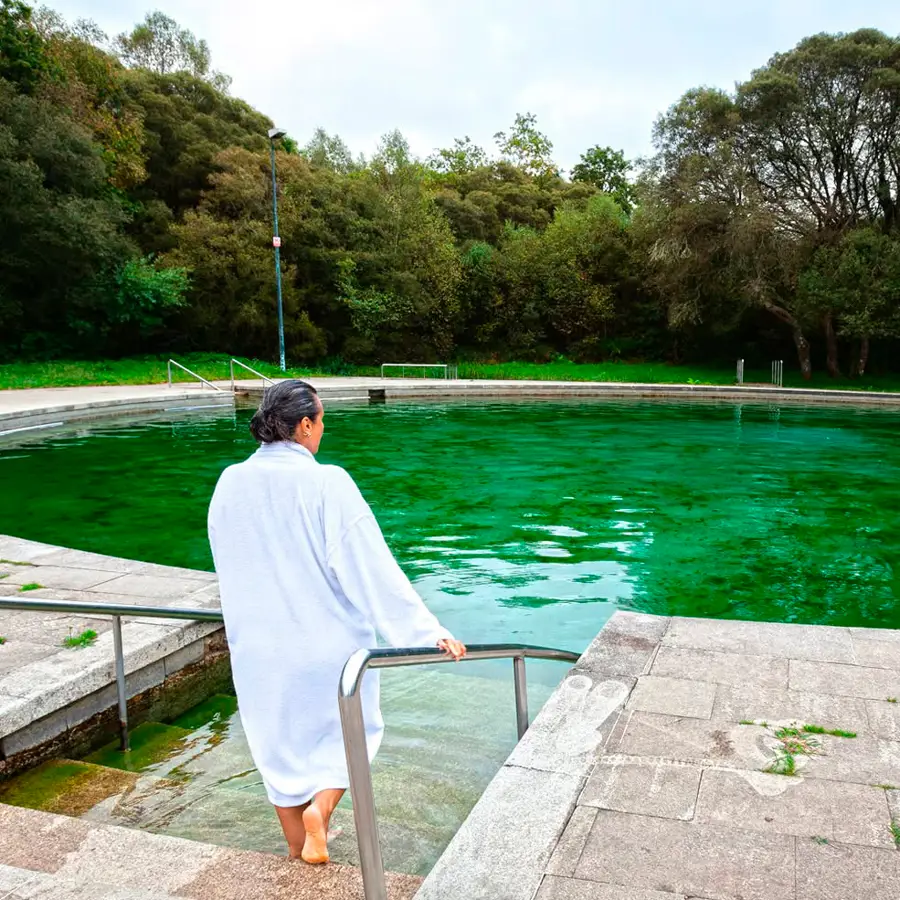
527, 147
607, 170
464, 156
23, 58
161, 45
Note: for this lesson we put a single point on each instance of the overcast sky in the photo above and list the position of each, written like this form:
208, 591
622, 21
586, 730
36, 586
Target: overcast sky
593, 71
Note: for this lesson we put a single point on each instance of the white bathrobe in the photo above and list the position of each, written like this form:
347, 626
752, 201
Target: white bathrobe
306, 579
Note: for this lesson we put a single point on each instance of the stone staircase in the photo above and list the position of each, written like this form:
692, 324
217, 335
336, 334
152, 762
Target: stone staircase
91, 828
50, 857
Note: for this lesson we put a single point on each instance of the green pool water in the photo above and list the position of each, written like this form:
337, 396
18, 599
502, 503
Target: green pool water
533, 520
517, 521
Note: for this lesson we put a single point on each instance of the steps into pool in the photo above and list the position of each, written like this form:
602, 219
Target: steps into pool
55, 857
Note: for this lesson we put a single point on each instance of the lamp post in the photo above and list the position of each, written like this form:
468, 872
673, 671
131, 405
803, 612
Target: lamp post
274, 135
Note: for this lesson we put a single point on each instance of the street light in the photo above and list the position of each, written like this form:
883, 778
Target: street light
274, 135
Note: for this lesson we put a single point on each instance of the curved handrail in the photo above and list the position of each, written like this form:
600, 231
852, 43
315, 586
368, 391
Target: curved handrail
359, 769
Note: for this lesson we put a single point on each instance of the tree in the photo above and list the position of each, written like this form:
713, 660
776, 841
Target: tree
464, 156
23, 59
819, 127
161, 45
718, 250
607, 170
855, 283
90, 83
526, 147
61, 230
329, 151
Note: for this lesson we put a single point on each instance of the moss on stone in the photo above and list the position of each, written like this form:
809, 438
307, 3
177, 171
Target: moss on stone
151, 743
215, 712
65, 787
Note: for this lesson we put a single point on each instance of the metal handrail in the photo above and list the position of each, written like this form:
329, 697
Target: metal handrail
349, 701
173, 362
116, 611
371, 863
450, 372
249, 369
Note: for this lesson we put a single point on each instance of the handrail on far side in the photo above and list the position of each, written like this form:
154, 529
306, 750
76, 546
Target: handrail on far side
249, 369
173, 362
371, 862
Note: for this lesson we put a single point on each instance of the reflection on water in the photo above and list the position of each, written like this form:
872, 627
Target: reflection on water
524, 522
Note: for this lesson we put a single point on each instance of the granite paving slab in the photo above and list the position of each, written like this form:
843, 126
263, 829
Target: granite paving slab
687, 858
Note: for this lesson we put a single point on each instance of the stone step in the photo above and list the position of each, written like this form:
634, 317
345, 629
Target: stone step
55, 857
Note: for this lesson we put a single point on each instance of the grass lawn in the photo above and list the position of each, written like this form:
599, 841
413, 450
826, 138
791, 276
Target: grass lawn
152, 370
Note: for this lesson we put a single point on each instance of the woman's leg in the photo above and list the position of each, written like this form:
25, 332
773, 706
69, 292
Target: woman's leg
316, 818
291, 818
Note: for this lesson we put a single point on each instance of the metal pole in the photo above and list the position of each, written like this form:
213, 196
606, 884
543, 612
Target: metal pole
169, 367
371, 862
277, 259
120, 684
521, 695
231, 365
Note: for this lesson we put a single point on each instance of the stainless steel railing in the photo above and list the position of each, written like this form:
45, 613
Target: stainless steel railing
450, 372
115, 611
371, 862
249, 369
174, 362
349, 701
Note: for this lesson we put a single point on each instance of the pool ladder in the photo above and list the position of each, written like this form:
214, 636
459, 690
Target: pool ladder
371, 862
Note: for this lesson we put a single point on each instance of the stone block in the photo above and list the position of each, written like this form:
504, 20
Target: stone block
818, 643
699, 741
650, 788
845, 681
151, 587
19, 549
571, 844
34, 734
81, 559
186, 656
673, 697
862, 760
721, 668
50, 630
805, 807
154, 862
891, 635
573, 724
502, 849
878, 653
893, 799
641, 852
625, 646
61, 577
750, 703
554, 888
37, 840
839, 872
17, 653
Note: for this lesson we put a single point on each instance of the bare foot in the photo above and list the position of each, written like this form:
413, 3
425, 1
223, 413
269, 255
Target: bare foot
315, 849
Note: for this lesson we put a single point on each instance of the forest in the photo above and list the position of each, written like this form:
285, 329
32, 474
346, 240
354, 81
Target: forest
136, 217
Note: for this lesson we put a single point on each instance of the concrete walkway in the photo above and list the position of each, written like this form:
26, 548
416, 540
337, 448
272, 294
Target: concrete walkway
53, 406
652, 773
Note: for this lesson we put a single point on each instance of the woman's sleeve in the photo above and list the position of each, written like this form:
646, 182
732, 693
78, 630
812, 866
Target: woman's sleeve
370, 577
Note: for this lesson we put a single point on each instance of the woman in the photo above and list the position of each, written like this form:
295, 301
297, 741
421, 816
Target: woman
306, 579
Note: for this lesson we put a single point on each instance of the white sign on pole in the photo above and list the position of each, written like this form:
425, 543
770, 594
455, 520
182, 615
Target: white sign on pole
276, 241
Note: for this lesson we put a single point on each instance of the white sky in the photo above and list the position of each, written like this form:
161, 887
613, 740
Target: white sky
593, 71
